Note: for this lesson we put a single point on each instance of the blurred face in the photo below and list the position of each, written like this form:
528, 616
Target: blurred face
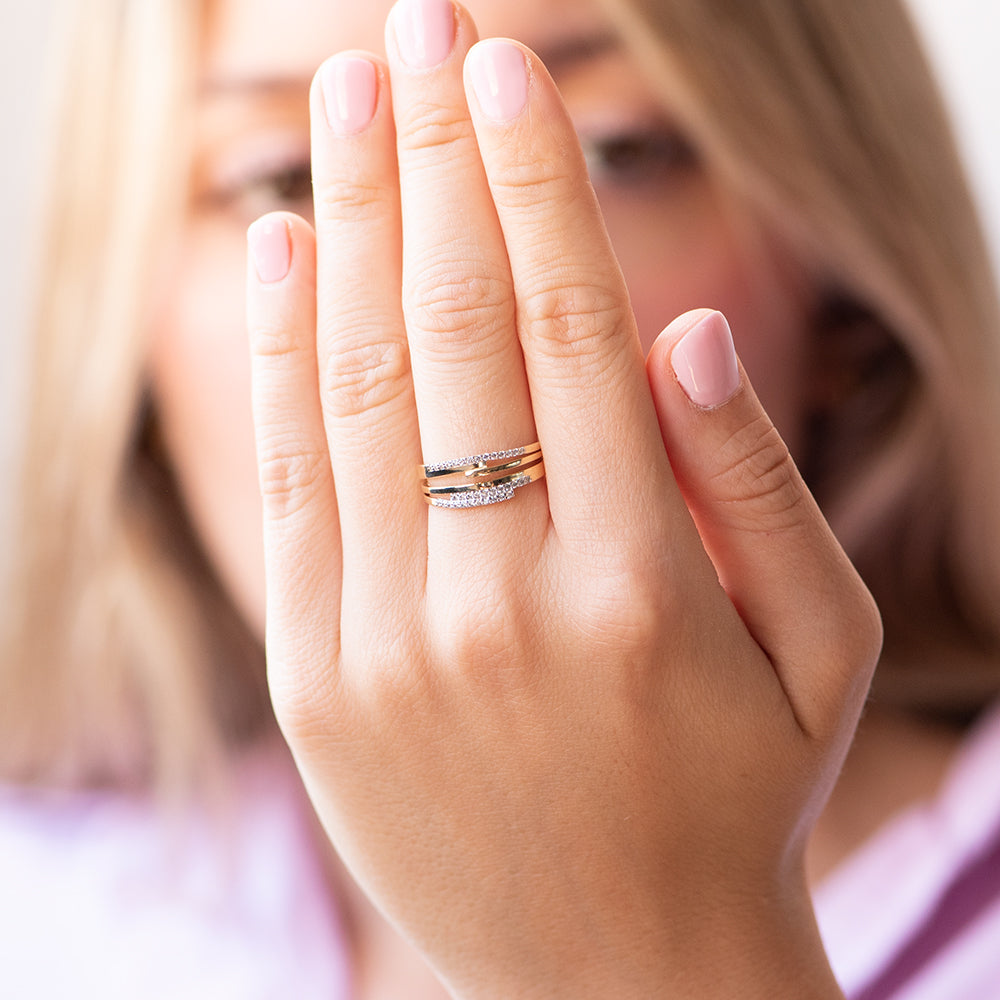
681, 243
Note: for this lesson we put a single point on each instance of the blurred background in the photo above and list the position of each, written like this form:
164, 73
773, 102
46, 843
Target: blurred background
961, 36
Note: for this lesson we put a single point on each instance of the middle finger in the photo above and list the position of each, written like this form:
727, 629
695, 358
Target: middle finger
458, 298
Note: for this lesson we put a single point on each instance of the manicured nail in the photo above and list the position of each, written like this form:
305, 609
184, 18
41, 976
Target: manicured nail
350, 89
270, 249
704, 360
425, 31
499, 77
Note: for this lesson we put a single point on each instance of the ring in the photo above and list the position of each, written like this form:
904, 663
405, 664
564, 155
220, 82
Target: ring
478, 480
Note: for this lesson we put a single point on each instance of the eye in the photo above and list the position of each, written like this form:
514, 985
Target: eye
638, 156
286, 188
259, 187
289, 186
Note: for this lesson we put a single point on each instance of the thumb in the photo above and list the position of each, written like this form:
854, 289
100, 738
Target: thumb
774, 553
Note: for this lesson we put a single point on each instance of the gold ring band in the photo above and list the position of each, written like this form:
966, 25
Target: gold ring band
476, 463
479, 480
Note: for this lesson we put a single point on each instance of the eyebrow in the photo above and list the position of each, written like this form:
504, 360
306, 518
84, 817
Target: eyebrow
559, 57
254, 86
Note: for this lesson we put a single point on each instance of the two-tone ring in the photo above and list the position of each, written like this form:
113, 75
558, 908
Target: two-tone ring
478, 480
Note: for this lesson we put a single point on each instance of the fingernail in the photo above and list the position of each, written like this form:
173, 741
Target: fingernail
704, 360
270, 249
350, 89
425, 31
499, 77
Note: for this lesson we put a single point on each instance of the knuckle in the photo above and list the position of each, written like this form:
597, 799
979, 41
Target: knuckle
528, 180
846, 635
433, 127
861, 626
480, 632
758, 475
306, 702
384, 665
572, 321
289, 477
849, 664
624, 611
277, 341
442, 308
872, 632
349, 200
364, 376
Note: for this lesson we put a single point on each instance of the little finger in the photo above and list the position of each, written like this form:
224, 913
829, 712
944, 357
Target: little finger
301, 538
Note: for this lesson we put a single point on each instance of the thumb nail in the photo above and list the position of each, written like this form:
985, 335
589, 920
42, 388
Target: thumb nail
704, 361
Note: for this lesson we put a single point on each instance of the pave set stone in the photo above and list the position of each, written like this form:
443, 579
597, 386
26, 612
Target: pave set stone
493, 456
479, 480
481, 496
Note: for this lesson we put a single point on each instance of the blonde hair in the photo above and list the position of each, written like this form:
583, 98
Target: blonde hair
124, 661
824, 117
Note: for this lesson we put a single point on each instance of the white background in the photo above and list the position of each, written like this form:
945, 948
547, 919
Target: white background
963, 37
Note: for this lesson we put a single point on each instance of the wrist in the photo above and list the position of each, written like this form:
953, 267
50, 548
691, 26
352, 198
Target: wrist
749, 949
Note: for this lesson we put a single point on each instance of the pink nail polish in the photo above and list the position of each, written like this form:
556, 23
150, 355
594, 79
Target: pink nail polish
704, 360
499, 77
350, 89
425, 31
270, 249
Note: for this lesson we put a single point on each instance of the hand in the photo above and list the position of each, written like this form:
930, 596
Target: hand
572, 744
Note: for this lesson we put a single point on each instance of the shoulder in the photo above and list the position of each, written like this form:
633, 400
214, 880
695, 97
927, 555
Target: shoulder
916, 911
104, 898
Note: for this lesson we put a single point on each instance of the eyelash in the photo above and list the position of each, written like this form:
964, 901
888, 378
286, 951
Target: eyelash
287, 186
636, 157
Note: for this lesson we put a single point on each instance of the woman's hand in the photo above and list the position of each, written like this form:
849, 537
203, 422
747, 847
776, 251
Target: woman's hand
572, 743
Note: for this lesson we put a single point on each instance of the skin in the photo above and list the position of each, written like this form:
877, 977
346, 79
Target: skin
680, 242
363, 704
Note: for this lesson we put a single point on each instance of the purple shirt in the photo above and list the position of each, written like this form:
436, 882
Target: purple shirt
104, 898
914, 914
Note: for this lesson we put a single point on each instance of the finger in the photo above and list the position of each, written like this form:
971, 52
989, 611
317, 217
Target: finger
788, 577
458, 296
366, 389
301, 541
603, 453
